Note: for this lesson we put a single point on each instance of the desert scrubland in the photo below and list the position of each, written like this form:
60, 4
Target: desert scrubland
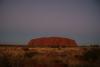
49, 57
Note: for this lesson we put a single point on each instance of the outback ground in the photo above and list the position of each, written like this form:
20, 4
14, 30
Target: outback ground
19, 56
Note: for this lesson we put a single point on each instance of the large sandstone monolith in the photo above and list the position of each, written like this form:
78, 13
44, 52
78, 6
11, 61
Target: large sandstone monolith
52, 42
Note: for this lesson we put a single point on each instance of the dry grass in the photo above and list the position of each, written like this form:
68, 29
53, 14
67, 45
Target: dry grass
45, 57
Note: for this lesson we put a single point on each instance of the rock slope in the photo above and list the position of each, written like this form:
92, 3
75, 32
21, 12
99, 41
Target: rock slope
52, 42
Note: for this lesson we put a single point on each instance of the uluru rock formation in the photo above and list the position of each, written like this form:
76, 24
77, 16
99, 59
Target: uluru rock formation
52, 42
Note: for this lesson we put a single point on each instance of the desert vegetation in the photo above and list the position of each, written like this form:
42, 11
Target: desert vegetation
49, 57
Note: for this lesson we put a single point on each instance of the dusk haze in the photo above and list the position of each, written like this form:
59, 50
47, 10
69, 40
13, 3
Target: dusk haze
49, 33
23, 20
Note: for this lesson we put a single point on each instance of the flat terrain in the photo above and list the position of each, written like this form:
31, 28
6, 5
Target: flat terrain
19, 56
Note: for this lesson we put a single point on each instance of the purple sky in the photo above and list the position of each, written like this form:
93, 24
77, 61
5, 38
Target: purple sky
22, 20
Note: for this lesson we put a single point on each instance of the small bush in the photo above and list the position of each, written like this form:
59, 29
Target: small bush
92, 55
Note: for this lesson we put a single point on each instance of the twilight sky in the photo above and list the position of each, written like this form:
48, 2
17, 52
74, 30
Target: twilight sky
22, 20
